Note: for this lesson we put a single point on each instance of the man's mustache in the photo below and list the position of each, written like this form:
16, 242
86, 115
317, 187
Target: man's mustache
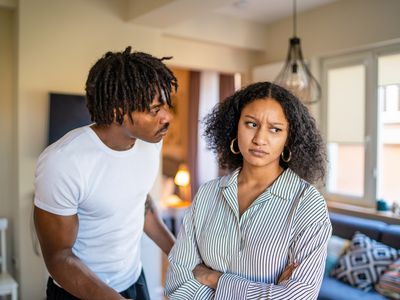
165, 127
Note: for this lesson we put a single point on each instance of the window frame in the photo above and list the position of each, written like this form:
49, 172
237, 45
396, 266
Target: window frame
369, 58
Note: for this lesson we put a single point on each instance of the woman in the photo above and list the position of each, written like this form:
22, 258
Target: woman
243, 229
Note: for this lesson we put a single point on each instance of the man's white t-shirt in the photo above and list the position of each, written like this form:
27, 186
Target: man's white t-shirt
107, 189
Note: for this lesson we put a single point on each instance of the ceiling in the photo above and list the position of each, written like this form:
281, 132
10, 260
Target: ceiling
267, 11
237, 24
162, 13
234, 23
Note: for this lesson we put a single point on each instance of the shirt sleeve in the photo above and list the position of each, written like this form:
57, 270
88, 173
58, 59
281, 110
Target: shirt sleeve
183, 258
57, 184
309, 249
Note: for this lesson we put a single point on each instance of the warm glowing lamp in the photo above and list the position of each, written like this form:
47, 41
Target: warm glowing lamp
182, 180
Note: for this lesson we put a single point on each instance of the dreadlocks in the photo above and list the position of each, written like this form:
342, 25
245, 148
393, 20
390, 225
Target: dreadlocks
127, 82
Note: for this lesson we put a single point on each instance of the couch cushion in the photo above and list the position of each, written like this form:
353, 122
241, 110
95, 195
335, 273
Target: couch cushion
333, 289
364, 262
345, 226
391, 236
389, 282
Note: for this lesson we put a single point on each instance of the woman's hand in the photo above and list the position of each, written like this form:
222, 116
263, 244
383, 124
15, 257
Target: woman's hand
287, 272
210, 277
206, 276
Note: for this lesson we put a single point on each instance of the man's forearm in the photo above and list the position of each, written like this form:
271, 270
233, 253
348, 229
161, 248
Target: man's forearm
77, 279
155, 228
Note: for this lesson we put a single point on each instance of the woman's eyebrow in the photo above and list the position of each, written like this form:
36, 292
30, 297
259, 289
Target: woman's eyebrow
248, 116
273, 123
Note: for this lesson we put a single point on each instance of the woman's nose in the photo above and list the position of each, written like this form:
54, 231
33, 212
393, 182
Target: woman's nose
260, 138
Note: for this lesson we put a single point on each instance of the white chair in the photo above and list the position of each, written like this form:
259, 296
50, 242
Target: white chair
8, 286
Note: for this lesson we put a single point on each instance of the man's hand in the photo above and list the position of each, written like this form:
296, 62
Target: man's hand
287, 272
206, 276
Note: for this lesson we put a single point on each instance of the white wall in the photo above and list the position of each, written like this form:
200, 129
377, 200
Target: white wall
7, 127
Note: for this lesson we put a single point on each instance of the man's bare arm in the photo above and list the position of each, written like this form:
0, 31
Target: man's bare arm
156, 229
57, 235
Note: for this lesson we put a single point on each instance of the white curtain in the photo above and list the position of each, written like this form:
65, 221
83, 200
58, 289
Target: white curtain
209, 97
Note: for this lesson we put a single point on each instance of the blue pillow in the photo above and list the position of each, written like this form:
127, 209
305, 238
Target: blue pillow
337, 246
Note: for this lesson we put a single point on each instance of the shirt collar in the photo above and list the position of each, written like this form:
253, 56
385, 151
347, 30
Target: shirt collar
285, 186
230, 179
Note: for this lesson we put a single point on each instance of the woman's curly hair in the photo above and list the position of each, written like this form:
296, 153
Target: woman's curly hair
128, 81
304, 140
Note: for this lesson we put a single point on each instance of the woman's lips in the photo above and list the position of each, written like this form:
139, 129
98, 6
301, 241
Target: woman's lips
258, 152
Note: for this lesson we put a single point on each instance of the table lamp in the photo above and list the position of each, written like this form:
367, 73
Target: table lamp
182, 180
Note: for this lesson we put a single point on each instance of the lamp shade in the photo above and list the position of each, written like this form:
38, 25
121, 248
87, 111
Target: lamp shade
182, 177
296, 77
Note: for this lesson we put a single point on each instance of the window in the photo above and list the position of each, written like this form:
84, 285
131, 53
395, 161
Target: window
361, 119
388, 163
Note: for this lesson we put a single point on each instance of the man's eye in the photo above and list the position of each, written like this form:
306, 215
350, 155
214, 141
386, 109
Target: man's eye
154, 111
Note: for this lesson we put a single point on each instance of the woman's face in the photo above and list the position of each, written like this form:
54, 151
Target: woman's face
262, 133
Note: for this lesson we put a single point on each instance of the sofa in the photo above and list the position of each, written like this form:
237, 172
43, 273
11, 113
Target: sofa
345, 226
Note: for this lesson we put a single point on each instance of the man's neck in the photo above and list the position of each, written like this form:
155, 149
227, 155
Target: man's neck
114, 137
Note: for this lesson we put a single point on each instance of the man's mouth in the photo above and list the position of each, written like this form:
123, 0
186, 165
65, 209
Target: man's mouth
164, 130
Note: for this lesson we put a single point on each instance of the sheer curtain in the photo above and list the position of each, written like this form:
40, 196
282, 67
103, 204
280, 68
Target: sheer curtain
206, 89
207, 167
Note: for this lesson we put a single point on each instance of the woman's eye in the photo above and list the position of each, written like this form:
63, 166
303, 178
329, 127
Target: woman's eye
251, 124
275, 130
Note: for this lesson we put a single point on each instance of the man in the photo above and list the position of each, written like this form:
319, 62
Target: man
91, 186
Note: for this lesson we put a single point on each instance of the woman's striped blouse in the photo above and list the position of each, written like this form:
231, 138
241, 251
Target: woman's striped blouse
286, 223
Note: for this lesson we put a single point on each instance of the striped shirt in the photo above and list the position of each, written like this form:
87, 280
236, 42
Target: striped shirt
288, 222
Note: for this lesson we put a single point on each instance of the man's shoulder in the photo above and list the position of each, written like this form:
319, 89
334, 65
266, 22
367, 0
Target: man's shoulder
63, 149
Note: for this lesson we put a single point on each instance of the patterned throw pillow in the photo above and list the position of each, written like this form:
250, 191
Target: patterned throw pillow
389, 282
364, 262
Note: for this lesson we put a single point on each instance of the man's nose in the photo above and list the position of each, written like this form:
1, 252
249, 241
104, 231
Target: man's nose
166, 115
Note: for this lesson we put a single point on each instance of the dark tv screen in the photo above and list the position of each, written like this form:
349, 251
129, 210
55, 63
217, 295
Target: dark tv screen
66, 112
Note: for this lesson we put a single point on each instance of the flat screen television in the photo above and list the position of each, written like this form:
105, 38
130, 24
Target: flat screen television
67, 112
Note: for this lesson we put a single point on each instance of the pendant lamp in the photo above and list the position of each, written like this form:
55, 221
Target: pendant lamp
295, 75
